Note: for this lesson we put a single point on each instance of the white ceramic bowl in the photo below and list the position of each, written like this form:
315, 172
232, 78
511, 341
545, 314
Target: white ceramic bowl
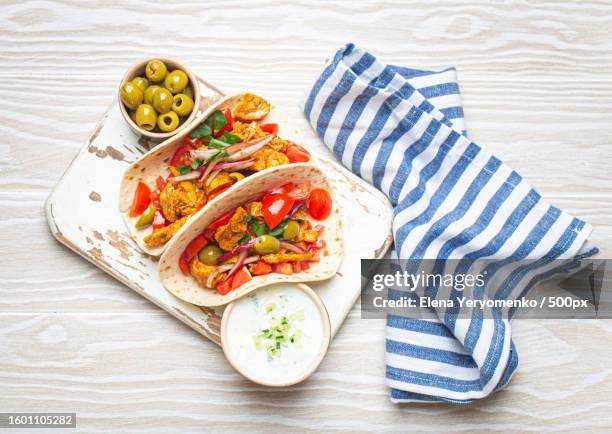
299, 375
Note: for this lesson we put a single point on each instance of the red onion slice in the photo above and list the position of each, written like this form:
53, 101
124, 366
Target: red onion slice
187, 177
236, 250
236, 165
239, 263
204, 154
209, 169
210, 280
254, 146
291, 247
212, 176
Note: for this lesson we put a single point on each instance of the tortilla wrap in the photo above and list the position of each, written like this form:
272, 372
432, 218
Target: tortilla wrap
186, 288
155, 163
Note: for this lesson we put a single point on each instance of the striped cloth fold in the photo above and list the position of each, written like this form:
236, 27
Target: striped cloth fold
403, 131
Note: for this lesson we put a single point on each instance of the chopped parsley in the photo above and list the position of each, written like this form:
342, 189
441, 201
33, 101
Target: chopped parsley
183, 170
281, 332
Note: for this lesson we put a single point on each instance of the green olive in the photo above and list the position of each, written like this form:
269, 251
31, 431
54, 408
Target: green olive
291, 230
156, 70
182, 104
168, 121
141, 82
188, 91
150, 93
267, 244
146, 117
162, 100
131, 95
146, 218
176, 81
209, 255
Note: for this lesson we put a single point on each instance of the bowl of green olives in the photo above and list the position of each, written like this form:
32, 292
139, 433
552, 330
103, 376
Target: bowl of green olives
158, 97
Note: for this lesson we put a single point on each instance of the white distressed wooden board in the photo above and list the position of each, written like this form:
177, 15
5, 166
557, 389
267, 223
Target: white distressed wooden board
83, 213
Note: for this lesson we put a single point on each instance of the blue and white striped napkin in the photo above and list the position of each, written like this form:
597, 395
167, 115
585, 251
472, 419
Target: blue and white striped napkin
403, 131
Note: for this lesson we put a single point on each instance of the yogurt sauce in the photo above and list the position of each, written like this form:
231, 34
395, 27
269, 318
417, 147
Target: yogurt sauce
274, 335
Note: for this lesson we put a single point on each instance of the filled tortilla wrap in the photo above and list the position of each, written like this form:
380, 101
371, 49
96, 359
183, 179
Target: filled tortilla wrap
258, 137
330, 248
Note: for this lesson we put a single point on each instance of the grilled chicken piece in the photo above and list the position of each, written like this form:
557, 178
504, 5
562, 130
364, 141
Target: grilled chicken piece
180, 199
161, 236
267, 157
219, 181
277, 258
254, 208
246, 131
251, 108
229, 235
200, 271
307, 234
278, 144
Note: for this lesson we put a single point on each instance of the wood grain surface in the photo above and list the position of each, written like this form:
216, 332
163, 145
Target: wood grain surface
537, 89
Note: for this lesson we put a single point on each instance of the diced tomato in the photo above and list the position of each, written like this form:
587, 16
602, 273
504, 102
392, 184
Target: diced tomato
275, 207
217, 191
241, 277
283, 268
160, 182
190, 252
221, 221
305, 265
260, 268
319, 204
159, 221
155, 198
142, 199
182, 156
297, 154
184, 265
224, 286
269, 128
228, 127
296, 266
194, 247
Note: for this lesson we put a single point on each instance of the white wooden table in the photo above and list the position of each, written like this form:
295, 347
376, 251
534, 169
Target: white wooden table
537, 85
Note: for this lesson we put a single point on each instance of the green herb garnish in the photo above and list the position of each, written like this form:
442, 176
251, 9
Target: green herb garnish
205, 129
217, 144
244, 239
279, 229
183, 170
259, 229
281, 333
218, 155
229, 138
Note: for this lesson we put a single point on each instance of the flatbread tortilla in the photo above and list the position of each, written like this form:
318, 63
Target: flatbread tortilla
186, 288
